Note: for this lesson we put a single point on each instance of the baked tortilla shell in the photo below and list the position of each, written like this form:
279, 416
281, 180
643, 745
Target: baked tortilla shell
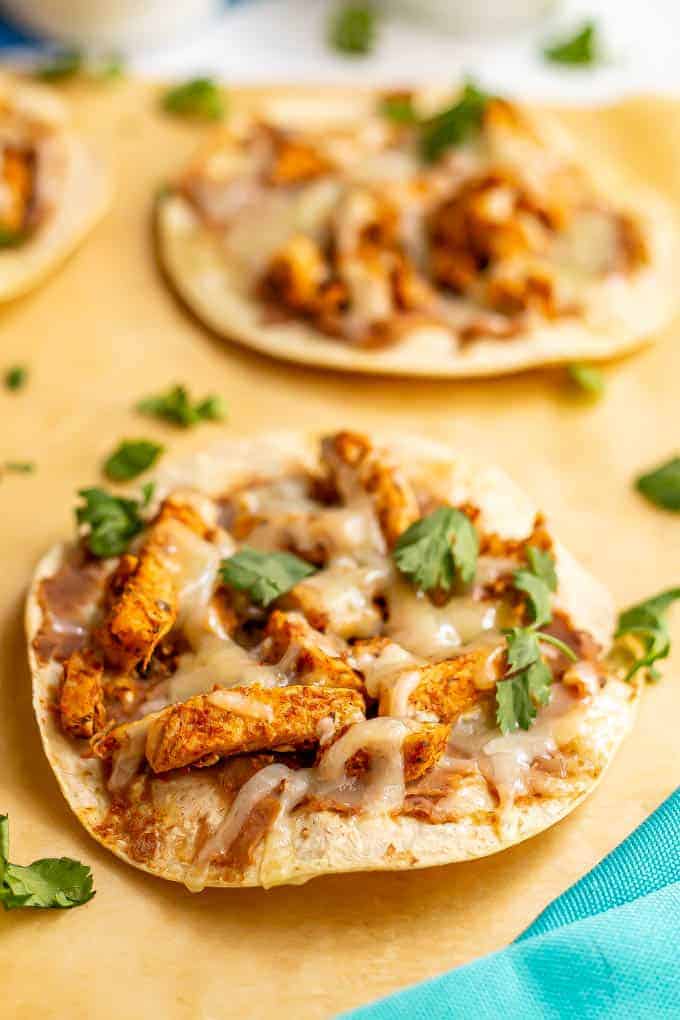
302, 845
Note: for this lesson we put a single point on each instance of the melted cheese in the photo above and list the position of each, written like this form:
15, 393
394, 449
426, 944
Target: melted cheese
218, 662
383, 739
238, 703
435, 632
344, 593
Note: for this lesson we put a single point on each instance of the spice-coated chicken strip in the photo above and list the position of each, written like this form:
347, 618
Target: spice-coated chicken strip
81, 703
422, 748
290, 637
240, 720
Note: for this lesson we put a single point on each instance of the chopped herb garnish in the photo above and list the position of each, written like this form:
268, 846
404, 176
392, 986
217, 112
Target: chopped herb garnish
113, 521
16, 377
454, 125
352, 28
19, 467
49, 882
528, 680
109, 69
200, 98
578, 50
264, 576
542, 564
646, 622
175, 406
587, 378
662, 485
399, 108
63, 65
437, 549
130, 458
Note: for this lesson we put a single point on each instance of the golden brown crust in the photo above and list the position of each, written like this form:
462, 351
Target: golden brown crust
288, 632
203, 729
81, 701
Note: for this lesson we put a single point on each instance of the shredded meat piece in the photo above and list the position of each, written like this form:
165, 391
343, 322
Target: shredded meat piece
81, 703
289, 635
203, 729
144, 605
422, 749
355, 467
452, 687
295, 161
18, 172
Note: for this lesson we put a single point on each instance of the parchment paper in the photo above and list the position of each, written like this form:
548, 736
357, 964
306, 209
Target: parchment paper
104, 332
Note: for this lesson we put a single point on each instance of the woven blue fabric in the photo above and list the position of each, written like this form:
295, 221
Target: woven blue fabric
608, 947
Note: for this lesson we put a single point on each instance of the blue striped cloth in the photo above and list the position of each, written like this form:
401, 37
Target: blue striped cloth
609, 947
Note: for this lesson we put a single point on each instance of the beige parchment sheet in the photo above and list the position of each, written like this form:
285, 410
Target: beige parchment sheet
102, 333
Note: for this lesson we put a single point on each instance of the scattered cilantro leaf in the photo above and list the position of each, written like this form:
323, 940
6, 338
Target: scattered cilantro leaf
130, 458
61, 66
110, 68
662, 485
398, 107
538, 595
16, 377
175, 406
264, 576
11, 238
542, 564
113, 521
587, 378
433, 550
49, 882
352, 28
19, 467
578, 50
646, 622
199, 97
454, 125
528, 679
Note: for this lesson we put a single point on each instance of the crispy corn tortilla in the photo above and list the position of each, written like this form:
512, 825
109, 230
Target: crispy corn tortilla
623, 313
300, 846
80, 192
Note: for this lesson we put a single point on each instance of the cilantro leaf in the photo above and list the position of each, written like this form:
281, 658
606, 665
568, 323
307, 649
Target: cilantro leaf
49, 882
16, 377
352, 28
264, 576
398, 107
113, 521
578, 50
175, 406
454, 125
538, 594
199, 97
436, 548
662, 485
542, 564
587, 378
63, 65
528, 680
130, 458
646, 622
19, 467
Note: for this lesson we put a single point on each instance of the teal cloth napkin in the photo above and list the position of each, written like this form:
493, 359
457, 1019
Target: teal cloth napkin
608, 947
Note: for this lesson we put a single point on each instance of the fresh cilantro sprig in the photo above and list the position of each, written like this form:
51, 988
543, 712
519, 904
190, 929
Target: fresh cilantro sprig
177, 407
454, 125
19, 467
49, 882
588, 379
113, 521
528, 679
71, 63
130, 458
16, 377
662, 485
647, 623
578, 50
435, 550
200, 98
264, 576
352, 29
537, 581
